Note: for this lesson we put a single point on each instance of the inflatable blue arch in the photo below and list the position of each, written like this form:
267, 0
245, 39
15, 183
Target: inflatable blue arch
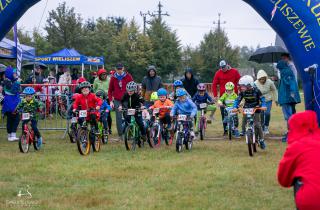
296, 21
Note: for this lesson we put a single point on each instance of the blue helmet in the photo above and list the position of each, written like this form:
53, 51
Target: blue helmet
181, 92
29, 91
178, 83
162, 92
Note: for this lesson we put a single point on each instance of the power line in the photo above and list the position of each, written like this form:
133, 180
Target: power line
228, 28
44, 10
219, 23
158, 13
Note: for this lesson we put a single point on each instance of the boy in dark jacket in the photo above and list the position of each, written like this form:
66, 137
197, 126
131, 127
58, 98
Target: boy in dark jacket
189, 82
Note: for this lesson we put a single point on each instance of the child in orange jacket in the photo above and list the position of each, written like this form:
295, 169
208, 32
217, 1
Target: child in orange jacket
164, 105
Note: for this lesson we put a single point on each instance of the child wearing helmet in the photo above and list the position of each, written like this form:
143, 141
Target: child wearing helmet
132, 100
164, 105
227, 101
253, 98
104, 111
178, 84
31, 105
88, 101
203, 97
184, 105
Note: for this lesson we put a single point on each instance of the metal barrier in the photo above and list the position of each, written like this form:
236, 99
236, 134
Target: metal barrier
53, 115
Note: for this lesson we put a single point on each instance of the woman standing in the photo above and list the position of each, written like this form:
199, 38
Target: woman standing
269, 91
10, 102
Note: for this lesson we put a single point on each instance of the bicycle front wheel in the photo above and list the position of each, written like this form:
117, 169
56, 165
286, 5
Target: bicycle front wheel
250, 143
83, 143
202, 129
95, 142
24, 143
129, 138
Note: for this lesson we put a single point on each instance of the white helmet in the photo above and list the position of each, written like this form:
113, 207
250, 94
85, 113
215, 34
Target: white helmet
246, 80
223, 63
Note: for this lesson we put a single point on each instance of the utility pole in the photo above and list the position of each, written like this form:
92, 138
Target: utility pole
144, 16
219, 23
159, 13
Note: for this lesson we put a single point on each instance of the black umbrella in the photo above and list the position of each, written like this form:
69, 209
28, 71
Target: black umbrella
2, 68
32, 65
271, 54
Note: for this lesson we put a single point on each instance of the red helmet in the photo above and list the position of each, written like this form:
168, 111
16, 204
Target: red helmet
81, 80
201, 87
101, 71
112, 72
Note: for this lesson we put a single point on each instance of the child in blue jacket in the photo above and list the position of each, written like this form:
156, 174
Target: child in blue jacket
185, 106
104, 109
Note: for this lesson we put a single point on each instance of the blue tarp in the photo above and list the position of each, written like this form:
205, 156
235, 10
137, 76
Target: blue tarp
69, 57
8, 50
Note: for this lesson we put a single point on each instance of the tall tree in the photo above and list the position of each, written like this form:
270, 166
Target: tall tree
166, 47
133, 49
213, 48
64, 28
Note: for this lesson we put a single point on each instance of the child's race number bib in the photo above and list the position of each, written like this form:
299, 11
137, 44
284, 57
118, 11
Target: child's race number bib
203, 106
83, 113
25, 116
131, 112
182, 117
248, 111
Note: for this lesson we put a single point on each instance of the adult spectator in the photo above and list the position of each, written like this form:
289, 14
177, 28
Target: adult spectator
102, 83
224, 75
150, 83
74, 75
65, 79
270, 93
286, 57
117, 89
37, 75
288, 93
189, 82
93, 77
10, 102
61, 71
300, 164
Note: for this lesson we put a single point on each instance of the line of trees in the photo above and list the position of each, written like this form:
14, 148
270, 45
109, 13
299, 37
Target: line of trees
121, 40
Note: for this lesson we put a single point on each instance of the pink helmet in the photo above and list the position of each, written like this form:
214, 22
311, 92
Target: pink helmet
201, 87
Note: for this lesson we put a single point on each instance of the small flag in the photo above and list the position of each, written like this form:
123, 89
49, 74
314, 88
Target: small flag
273, 13
18, 50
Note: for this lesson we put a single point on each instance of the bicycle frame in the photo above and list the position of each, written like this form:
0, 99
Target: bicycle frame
28, 132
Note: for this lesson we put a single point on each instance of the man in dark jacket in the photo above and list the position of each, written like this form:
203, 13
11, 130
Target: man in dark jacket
150, 83
189, 82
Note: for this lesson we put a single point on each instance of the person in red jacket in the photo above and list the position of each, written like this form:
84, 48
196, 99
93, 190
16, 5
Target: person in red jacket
117, 88
301, 161
224, 75
89, 102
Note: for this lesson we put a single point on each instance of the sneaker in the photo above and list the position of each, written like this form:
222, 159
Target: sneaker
262, 144
225, 133
9, 136
192, 134
236, 134
39, 142
242, 133
266, 130
110, 131
197, 133
14, 137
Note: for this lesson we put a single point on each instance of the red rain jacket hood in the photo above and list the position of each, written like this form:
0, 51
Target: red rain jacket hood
302, 160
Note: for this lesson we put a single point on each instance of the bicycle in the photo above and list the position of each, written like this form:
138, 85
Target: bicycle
158, 130
183, 133
104, 133
251, 140
73, 130
85, 137
202, 125
28, 137
132, 134
230, 119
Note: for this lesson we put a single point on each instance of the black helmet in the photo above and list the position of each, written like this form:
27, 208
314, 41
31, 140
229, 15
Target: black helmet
85, 85
101, 93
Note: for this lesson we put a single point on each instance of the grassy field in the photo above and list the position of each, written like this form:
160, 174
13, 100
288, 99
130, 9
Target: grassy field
216, 174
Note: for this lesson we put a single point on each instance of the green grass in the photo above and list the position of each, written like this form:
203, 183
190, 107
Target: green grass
216, 174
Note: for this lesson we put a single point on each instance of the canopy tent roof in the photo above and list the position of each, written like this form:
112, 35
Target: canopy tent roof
69, 57
8, 50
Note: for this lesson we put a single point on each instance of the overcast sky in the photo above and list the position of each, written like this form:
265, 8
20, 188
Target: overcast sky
190, 18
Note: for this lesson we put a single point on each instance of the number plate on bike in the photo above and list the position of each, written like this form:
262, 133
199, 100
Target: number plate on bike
83, 113
248, 111
74, 120
131, 112
203, 106
182, 117
156, 111
25, 116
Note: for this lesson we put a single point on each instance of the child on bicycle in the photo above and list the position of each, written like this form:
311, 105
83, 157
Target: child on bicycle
164, 105
178, 84
90, 102
104, 111
202, 97
253, 99
227, 101
184, 106
132, 100
31, 105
